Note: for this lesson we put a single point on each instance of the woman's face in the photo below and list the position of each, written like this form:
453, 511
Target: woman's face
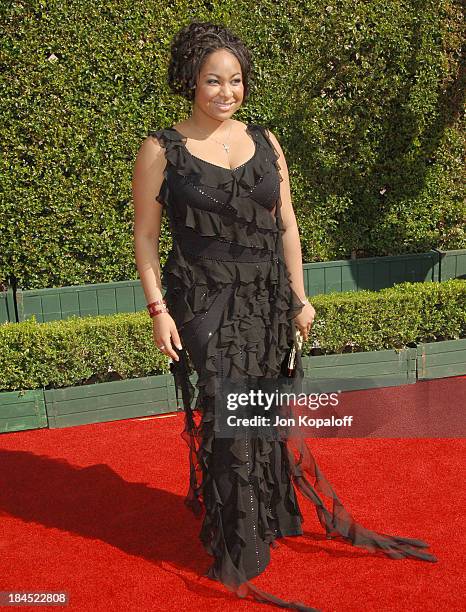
219, 88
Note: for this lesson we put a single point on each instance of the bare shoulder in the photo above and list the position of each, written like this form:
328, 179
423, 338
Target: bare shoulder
149, 166
274, 140
151, 152
238, 127
152, 143
239, 124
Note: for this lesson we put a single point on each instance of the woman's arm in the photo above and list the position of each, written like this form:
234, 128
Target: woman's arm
147, 180
291, 242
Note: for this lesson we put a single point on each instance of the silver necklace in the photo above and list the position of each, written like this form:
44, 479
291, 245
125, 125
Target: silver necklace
224, 144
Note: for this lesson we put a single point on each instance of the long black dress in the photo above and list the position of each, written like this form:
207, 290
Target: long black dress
229, 292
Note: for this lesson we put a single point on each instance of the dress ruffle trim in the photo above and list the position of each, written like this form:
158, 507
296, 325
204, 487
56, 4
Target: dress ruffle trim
191, 281
248, 228
240, 181
244, 222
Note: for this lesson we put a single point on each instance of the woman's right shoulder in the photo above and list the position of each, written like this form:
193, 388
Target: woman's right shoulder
161, 141
151, 154
155, 139
153, 145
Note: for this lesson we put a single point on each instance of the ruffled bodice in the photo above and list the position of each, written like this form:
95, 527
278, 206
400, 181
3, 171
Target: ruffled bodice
236, 205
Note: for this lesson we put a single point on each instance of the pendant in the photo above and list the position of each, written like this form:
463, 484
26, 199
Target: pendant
226, 147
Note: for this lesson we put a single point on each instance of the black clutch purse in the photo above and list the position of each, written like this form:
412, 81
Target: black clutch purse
289, 363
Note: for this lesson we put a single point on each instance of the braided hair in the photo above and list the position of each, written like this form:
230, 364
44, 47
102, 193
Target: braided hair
192, 44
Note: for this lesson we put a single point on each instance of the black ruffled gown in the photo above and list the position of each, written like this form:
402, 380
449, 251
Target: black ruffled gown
229, 292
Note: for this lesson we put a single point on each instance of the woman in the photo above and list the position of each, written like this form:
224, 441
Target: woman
235, 298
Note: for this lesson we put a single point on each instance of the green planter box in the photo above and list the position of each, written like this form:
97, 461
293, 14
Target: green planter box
351, 371
80, 300
441, 359
110, 401
371, 273
22, 410
452, 264
7, 307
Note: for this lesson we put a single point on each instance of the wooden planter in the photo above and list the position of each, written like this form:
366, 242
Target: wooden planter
351, 371
110, 401
20, 410
452, 264
441, 359
371, 273
7, 307
80, 300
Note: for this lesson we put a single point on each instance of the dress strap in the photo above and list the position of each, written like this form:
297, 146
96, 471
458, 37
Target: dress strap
175, 151
264, 138
167, 138
261, 132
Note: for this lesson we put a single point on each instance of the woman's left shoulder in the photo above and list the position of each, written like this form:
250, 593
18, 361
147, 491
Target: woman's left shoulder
255, 127
265, 130
269, 136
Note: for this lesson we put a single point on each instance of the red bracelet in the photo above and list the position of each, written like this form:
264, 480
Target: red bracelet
155, 309
154, 312
157, 312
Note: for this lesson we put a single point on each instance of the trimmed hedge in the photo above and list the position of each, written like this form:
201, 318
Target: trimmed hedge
364, 97
99, 349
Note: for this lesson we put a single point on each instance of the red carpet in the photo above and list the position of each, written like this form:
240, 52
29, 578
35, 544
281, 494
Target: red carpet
97, 511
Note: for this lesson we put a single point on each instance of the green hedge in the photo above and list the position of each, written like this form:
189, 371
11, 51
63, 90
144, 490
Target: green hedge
365, 98
98, 349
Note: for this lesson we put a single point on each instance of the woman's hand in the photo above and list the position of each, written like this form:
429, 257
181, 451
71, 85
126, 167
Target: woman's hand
165, 334
305, 319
